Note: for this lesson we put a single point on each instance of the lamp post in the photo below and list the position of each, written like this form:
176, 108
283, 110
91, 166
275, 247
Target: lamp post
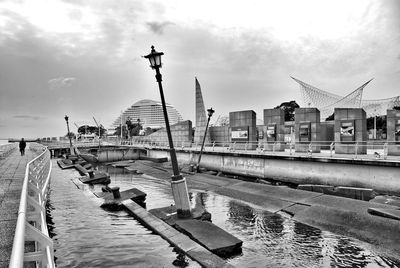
69, 136
121, 125
210, 113
178, 182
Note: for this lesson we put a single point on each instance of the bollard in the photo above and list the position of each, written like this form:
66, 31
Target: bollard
115, 192
191, 168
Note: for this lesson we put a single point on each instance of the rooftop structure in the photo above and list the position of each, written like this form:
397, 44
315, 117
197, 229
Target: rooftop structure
326, 101
150, 114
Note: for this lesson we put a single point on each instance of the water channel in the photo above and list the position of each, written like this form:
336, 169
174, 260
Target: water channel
85, 235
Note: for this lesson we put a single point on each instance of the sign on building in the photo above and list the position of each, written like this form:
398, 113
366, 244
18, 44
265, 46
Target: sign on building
240, 133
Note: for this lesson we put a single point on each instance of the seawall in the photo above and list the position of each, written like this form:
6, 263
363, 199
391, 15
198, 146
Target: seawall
382, 176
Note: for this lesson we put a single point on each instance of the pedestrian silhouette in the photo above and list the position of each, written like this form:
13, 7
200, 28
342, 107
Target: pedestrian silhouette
22, 145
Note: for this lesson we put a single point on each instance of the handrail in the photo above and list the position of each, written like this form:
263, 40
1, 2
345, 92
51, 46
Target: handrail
36, 181
334, 149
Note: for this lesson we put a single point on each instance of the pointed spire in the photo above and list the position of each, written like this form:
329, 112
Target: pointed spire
201, 116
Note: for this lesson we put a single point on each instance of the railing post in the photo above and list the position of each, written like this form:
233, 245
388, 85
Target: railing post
356, 149
385, 150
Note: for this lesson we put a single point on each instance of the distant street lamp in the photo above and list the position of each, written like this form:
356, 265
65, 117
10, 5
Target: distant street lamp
178, 183
69, 136
210, 113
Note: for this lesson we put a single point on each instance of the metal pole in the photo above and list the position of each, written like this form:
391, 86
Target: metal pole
375, 127
174, 161
69, 137
178, 183
121, 126
202, 145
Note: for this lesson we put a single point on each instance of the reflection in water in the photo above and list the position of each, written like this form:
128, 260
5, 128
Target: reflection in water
86, 236
272, 240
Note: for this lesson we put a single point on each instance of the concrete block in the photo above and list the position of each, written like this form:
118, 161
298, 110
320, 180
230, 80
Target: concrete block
299, 117
340, 113
360, 125
267, 112
298, 111
355, 193
305, 187
314, 136
387, 213
326, 189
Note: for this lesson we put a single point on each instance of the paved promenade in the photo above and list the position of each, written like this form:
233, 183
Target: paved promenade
12, 172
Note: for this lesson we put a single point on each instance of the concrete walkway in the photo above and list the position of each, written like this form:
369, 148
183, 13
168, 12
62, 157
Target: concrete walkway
12, 173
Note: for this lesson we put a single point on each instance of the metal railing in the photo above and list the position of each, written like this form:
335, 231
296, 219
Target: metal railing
354, 150
31, 222
6, 149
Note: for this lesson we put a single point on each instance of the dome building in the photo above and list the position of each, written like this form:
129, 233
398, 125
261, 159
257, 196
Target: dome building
150, 114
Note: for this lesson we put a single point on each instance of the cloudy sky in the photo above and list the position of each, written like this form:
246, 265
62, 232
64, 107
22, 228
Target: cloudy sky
83, 58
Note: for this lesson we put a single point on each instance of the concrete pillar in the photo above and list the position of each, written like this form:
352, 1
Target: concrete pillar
181, 197
350, 131
274, 130
307, 130
393, 132
243, 129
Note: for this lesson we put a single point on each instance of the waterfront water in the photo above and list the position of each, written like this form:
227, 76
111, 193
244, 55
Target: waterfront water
87, 236
2, 142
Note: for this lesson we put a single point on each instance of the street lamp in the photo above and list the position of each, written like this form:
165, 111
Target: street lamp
178, 182
69, 136
210, 113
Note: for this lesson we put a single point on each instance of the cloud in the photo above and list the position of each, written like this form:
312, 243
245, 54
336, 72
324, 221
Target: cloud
61, 82
158, 27
29, 117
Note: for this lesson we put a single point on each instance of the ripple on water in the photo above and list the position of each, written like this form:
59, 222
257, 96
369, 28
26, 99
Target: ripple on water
87, 236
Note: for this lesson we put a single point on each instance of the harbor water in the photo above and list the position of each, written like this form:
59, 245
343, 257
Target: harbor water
86, 235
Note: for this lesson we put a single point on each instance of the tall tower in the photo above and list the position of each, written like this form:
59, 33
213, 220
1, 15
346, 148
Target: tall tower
201, 116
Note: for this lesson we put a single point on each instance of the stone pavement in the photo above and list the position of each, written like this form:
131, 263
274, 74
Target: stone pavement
12, 173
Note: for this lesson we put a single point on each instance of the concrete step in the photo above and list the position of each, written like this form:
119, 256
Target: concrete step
65, 163
194, 250
387, 213
98, 178
124, 163
210, 236
387, 200
134, 194
154, 159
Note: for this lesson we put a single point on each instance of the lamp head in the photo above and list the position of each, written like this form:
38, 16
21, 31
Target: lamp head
210, 112
155, 58
66, 118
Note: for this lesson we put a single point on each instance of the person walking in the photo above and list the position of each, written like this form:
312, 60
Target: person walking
22, 145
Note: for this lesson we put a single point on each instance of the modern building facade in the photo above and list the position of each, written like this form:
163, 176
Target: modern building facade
150, 114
